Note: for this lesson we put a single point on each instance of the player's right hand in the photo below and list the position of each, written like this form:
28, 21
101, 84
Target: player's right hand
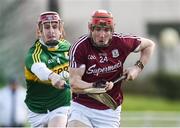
56, 81
99, 84
109, 86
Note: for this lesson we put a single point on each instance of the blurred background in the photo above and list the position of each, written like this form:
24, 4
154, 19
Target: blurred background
153, 100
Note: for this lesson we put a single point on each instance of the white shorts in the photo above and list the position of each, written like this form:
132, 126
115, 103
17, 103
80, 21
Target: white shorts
95, 118
41, 120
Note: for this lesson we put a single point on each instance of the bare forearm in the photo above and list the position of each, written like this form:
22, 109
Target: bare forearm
147, 49
77, 83
76, 78
146, 54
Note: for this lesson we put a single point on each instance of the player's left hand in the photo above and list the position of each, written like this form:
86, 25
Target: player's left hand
131, 72
56, 81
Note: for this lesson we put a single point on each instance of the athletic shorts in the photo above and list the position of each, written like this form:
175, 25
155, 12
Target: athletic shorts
95, 118
41, 120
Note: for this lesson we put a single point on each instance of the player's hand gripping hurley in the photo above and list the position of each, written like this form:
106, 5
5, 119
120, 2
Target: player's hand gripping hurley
100, 94
99, 86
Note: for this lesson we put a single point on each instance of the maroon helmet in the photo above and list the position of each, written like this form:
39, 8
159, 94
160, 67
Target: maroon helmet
48, 16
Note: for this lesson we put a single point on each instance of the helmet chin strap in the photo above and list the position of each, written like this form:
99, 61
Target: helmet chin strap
49, 44
52, 43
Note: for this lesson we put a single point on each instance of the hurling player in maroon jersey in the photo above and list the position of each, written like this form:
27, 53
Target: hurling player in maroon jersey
100, 55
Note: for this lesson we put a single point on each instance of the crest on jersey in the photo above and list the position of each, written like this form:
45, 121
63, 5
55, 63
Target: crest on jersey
115, 53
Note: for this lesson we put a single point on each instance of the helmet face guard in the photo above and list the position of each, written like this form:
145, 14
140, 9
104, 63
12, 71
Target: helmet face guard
50, 17
101, 18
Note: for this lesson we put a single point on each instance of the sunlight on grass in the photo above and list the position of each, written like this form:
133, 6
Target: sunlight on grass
148, 103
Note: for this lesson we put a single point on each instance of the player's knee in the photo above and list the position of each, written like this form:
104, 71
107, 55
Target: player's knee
76, 123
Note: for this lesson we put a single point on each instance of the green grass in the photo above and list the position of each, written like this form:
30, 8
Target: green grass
148, 103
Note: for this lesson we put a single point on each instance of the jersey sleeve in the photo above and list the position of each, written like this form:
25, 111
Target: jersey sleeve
131, 43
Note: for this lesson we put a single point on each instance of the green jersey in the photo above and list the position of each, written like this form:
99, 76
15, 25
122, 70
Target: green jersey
41, 95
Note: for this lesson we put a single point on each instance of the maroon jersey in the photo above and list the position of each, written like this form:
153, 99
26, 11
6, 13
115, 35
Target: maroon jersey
102, 63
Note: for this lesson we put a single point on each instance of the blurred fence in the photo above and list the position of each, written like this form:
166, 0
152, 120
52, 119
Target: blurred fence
150, 119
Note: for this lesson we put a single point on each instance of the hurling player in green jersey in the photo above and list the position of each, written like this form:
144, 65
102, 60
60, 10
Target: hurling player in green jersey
48, 94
